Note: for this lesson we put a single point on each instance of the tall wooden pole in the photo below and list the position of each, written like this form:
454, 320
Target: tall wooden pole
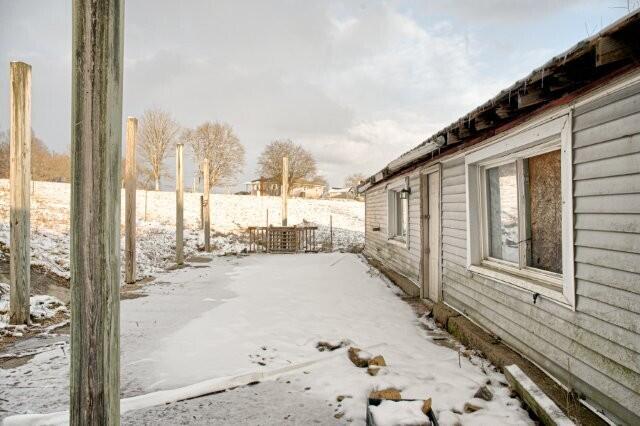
331, 231
179, 205
96, 135
205, 207
130, 203
285, 188
201, 212
20, 183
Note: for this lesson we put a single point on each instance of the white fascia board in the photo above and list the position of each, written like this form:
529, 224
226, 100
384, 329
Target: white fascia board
411, 156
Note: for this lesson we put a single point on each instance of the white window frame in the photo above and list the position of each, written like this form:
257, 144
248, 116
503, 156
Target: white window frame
551, 135
392, 190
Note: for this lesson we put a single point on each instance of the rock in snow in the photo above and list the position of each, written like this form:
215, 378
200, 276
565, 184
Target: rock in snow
484, 393
389, 393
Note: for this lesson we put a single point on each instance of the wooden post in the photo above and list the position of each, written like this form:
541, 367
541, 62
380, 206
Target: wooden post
19, 184
285, 189
201, 212
331, 232
130, 203
267, 218
205, 208
179, 205
96, 136
145, 203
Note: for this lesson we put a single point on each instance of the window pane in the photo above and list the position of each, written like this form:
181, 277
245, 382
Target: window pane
545, 211
400, 215
502, 212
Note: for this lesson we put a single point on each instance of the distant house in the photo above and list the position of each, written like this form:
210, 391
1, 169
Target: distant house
299, 188
524, 216
263, 186
348, 193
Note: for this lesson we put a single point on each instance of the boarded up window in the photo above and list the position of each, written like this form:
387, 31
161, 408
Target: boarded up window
542, 183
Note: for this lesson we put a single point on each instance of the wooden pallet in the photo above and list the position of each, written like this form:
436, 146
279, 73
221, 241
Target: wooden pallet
282, 239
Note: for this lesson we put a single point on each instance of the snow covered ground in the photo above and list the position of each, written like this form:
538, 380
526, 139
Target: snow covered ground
155, 211
264, 313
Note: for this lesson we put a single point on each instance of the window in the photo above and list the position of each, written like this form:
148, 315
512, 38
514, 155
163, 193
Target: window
520, 210
398, 211
524, 212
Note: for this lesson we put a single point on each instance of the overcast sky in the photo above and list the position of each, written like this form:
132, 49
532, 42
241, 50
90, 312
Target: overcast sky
357, 83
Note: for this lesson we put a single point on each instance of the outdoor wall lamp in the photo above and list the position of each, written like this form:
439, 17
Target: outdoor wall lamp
404, 194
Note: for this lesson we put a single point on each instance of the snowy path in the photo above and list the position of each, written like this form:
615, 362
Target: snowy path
239, 315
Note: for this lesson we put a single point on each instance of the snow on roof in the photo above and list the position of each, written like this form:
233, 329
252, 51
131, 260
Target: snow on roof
339, 190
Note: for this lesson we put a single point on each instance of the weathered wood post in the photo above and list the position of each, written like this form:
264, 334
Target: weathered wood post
145, 203
205, 208
179, 205
331, 232
19, 183
130, 203
201, 212
285, 188
96, 135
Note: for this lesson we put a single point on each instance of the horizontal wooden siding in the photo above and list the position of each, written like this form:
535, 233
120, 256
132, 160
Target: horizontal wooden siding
596, 349
397, 256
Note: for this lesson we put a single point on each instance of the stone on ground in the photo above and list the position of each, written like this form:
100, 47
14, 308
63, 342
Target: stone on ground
377, 360
484, 393
389, 393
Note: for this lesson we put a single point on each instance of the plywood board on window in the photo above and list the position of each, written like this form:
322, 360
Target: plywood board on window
546, 211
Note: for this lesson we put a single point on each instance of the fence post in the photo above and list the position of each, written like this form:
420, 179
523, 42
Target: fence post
205, 208
201, 212
267, 218
285, 188
179, 205
331, 232
96, 136
19, 186
130, 203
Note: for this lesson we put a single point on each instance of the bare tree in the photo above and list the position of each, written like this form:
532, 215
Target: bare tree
145, 177
302, 165
352, 181
157, 135
217, 143
46, 165
320, 180
4, 155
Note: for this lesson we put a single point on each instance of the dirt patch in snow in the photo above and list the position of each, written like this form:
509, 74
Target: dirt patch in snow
52, 322
43, 281
134, 290
9, 362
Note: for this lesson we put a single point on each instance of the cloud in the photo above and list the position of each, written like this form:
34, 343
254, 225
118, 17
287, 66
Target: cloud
497, 11
356, 83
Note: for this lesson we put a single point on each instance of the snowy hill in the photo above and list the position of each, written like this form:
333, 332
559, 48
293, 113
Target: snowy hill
155, 211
